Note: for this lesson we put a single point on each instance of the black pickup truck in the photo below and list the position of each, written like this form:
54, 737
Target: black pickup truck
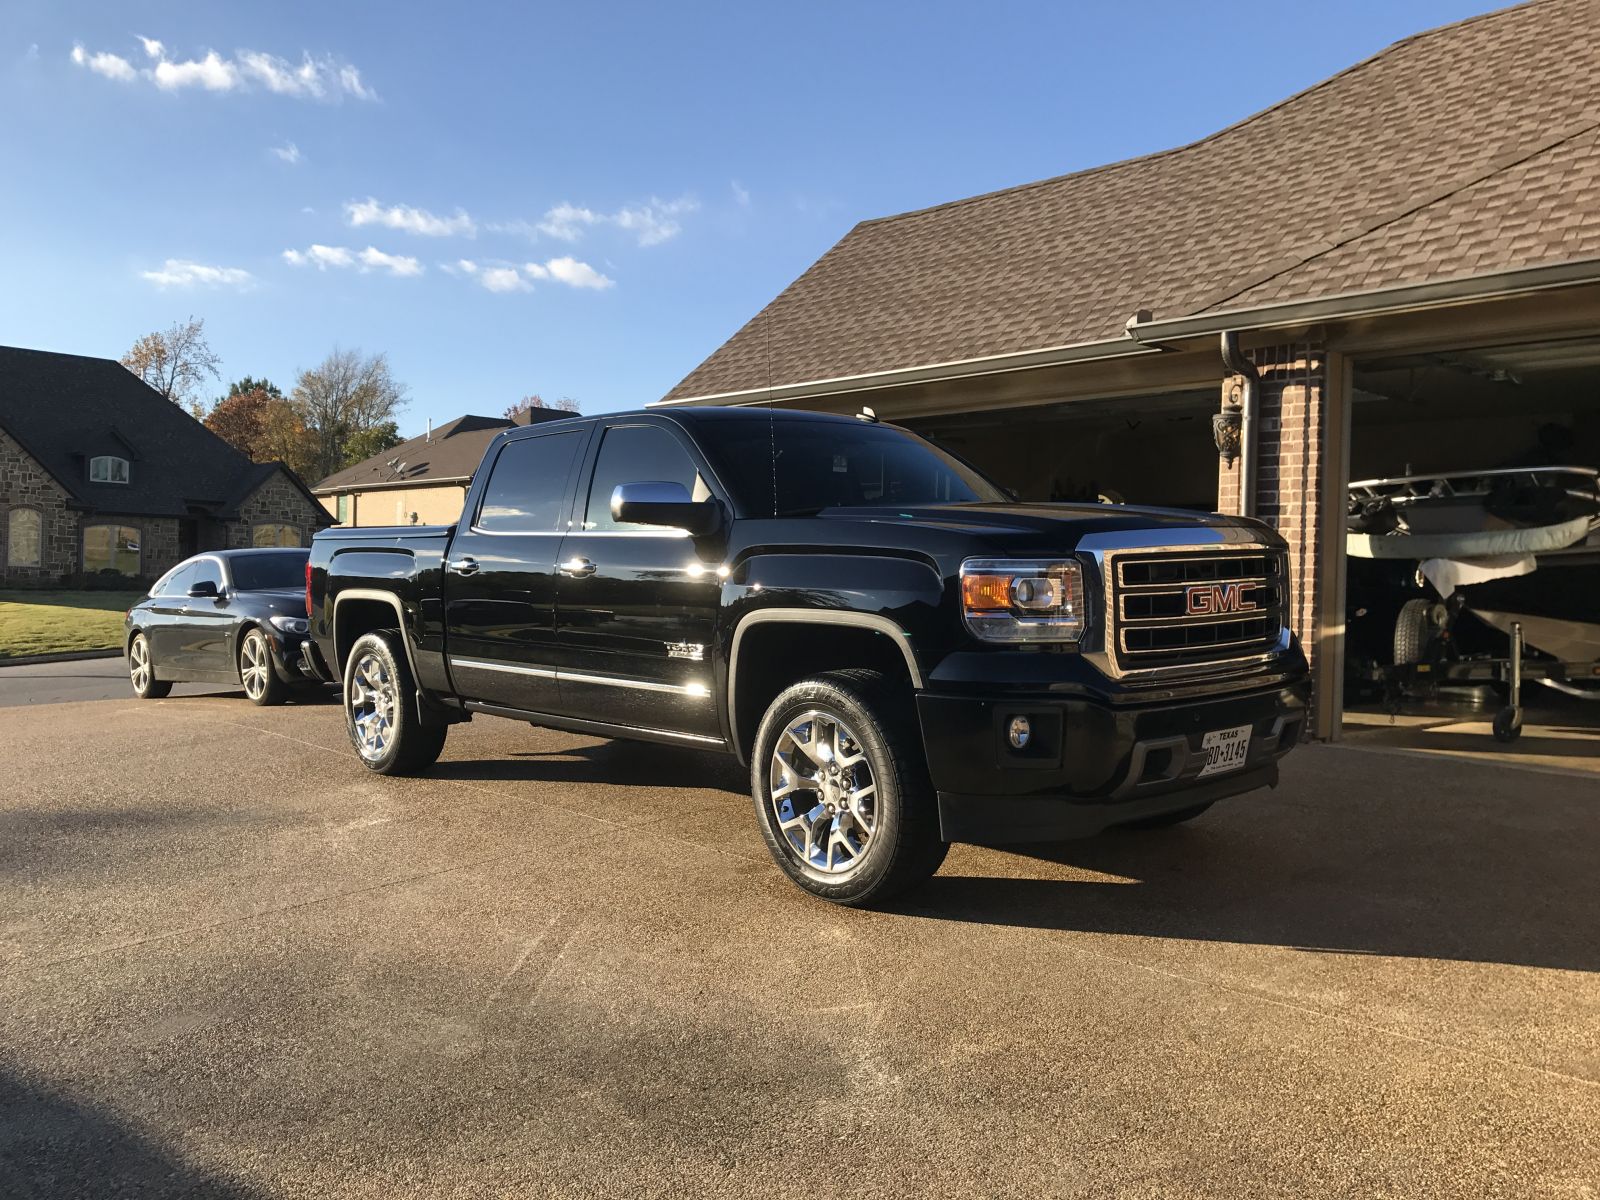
902, 653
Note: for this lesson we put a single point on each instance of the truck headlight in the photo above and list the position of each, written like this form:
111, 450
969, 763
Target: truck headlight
1022, 600
290, 624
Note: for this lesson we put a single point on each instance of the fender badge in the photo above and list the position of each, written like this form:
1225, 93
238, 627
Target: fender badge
693, 651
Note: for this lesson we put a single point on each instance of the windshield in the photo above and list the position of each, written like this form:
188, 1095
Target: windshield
265, 572
812, 465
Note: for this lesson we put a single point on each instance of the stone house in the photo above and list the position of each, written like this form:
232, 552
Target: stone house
1394, 271
102, 477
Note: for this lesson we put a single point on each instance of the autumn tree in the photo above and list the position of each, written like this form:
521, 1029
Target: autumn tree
175, 362
346, 394
369, 443
255, 419
566, 404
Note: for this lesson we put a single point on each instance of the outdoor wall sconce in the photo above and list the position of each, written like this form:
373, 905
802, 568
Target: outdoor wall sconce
1225, 430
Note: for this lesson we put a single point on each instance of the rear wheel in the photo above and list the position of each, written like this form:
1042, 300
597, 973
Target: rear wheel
142, 670
1413, 630
256, 673
841, 789
380, 708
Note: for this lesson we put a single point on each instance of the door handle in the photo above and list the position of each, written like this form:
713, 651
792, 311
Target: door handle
577, 568
464, 566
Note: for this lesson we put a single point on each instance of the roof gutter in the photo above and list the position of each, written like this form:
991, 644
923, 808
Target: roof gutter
425, 481
1466, 289
1028, 360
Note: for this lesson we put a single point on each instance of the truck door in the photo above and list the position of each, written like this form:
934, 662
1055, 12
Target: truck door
636, 604
499, 574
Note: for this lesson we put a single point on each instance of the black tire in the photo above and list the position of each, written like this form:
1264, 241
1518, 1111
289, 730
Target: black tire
903, 846
150, 688
1413, 630
257, 675
1168, 820
1507, 728
409, 745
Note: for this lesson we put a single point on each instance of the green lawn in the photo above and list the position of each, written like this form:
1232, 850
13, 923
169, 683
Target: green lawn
55, 622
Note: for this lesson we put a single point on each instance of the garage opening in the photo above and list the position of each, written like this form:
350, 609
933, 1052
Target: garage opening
1148, 449
1474, 514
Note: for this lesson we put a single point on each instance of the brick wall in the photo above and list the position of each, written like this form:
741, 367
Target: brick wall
277, 502
25, 484
1291, 438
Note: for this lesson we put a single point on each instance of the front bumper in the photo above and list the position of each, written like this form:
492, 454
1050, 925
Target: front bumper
1090, 765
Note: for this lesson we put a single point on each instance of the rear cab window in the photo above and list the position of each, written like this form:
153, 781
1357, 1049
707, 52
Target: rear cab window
527, 488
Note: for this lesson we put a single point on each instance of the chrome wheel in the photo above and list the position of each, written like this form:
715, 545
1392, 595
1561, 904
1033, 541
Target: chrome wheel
139, 664
373, 702
254, 665
823, 793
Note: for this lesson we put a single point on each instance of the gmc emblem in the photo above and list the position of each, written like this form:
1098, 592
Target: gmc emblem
1210, 599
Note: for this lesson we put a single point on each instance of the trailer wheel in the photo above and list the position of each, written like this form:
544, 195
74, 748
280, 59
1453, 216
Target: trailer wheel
1507, 725
1413, 630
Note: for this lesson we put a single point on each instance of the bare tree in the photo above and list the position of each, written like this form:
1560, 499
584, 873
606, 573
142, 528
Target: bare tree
345, 394
175, 362
565, 404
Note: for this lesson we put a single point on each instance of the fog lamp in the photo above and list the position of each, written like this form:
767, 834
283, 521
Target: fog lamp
1018, 732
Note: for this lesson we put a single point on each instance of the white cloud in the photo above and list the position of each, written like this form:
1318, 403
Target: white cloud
409, 220
651, 223
342, 257
741, 194
504, 279
212, 72
575, 274
181, 272
289, 152
110, 65
373, 259
33, 52
310, 79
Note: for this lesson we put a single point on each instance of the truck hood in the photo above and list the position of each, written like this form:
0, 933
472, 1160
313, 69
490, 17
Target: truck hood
1050, 527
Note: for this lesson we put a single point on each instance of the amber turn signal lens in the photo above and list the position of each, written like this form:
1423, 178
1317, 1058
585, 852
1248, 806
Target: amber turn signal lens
986, 593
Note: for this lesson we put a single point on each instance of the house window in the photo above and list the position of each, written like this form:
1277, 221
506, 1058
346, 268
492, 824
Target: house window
111, 548
23, 528
344, 508
105, 468
275, 535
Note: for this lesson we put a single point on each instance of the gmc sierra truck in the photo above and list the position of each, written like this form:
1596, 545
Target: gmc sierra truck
902, 654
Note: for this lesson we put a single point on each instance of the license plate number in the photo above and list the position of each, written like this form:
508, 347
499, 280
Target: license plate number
1225, 750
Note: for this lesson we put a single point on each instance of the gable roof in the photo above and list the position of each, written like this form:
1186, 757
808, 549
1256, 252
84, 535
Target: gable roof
65, 409
1467, 150
450, 454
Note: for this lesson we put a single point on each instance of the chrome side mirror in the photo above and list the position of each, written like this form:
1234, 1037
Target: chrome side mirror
667, 504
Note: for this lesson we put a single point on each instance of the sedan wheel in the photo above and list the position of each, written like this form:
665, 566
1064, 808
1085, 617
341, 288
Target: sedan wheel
261, 682
142, 671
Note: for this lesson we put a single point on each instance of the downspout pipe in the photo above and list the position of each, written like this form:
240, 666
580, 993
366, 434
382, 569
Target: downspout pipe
1238, 363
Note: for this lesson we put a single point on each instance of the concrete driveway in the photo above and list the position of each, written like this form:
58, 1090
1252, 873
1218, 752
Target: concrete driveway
83, 679
234, 964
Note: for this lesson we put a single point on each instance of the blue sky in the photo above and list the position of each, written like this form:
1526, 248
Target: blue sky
578, 200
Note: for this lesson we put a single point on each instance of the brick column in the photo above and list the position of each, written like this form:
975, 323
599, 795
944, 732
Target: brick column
1300, 443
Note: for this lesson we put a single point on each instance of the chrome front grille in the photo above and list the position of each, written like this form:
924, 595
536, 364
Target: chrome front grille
1195, 608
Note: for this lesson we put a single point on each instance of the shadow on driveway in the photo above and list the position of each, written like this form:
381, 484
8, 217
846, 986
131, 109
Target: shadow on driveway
54, 1147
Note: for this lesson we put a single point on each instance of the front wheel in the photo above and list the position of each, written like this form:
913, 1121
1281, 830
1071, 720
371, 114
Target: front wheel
380, 708
142, 670
841, 789
256, 673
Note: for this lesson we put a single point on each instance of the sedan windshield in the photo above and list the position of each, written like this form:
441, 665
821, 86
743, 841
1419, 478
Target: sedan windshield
795, 467
268, 572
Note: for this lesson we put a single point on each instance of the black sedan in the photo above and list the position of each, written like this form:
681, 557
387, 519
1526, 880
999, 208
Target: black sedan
226, 616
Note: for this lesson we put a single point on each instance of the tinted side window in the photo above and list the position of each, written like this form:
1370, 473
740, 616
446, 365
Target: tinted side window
528, 486
205, 571
638, 454
177, 583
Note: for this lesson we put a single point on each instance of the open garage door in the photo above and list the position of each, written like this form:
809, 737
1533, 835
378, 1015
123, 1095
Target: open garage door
1475, 509
1153, 449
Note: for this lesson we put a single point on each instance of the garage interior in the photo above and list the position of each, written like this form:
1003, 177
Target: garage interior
1495, 406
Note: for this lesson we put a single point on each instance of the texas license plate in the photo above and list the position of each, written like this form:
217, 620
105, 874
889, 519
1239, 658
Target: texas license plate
1225, 750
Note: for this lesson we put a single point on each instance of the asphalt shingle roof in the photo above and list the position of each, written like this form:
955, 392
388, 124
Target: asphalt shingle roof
1463, 150
65, 409
451, 452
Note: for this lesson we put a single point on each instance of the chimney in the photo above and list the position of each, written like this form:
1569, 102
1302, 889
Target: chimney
430, 431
